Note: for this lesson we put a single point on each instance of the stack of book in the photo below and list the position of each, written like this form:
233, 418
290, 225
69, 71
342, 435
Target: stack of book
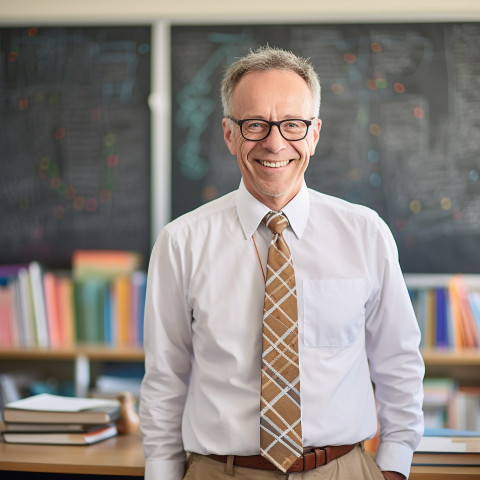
445, 447
58, 420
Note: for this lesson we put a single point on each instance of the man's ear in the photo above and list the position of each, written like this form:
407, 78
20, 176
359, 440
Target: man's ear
229, 135
316, 135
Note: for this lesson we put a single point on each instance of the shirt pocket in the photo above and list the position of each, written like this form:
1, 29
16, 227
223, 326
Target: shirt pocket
334, 312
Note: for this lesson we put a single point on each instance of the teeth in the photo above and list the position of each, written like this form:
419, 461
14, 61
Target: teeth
275, 164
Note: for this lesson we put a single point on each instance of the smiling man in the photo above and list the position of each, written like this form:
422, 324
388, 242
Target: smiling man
272, 168
272, 310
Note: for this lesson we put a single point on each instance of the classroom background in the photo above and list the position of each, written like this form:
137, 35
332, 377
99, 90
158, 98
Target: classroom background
419, 168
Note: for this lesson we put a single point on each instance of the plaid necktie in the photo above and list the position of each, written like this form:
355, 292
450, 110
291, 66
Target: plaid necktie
280, 427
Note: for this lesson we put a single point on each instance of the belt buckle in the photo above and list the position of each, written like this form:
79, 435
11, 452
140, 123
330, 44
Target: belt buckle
321, 456
316, 457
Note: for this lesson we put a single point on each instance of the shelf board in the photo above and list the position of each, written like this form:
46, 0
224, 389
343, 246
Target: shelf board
467, 357
92, 352
464, 357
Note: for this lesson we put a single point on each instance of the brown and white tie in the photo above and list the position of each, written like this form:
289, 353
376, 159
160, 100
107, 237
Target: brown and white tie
280, 416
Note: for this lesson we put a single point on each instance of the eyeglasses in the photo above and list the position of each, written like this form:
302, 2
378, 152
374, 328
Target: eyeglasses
256, 129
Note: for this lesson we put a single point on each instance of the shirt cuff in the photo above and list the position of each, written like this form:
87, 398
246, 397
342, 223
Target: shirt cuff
394, 457
164, 469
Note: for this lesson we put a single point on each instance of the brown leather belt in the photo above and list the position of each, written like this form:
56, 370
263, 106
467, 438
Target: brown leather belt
314, 458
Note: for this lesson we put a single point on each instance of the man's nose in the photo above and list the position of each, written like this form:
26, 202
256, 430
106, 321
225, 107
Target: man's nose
274, 142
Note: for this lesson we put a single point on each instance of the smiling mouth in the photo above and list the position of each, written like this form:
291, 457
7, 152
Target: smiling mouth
274, 164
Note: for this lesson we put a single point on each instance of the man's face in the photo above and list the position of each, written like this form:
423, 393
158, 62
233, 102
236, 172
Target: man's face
273, 168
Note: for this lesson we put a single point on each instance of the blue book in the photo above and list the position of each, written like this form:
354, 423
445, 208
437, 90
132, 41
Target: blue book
441, 314
108, 333
449, 432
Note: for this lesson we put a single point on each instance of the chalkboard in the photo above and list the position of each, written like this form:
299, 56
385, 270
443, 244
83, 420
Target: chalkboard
401, 126
74, 141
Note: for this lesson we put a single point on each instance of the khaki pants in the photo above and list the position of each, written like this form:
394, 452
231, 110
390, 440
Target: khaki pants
355, 465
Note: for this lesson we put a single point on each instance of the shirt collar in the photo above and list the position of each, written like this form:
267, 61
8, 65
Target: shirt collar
250, 211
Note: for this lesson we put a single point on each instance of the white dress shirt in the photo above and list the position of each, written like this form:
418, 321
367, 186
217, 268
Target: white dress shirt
203, 324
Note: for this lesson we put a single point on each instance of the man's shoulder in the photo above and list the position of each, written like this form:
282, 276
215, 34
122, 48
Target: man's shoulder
335, 205
214, 211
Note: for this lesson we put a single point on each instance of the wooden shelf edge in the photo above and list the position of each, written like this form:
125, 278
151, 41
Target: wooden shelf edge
92, 352
465, 357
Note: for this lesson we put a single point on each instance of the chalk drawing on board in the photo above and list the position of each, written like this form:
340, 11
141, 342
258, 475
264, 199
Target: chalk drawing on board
401, 127
76, 148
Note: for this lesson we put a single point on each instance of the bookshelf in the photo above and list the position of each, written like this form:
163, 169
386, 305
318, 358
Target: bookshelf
458, 363
57, 328
463, 366
82, 363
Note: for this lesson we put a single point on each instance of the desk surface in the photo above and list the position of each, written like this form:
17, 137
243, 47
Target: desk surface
123, 455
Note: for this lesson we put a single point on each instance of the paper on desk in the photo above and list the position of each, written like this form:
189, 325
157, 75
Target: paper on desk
449, 445
57, 403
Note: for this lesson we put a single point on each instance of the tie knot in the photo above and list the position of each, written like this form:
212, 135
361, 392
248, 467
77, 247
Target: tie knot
277, 222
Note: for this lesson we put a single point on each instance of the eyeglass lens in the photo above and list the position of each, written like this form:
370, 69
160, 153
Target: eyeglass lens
258, 129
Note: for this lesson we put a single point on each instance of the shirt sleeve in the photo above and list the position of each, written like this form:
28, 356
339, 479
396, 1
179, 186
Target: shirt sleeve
396, 365
167, 344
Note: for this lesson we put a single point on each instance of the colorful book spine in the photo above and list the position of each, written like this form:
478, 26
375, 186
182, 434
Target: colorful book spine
52, 309
38, 302
100, 302
448, 313
441, 340
122, 300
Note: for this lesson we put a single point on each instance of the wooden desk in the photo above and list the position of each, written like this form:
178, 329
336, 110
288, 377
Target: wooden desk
117, 456
445, 473
122, 456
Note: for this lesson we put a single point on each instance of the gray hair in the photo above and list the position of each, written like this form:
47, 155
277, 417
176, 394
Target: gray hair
268, 58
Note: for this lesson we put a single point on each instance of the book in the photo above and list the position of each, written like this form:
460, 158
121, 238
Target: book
66, 309
456, 315
139, 288
50, 427
38, 302
474, 300
104, 263
469, 323
7, 272
462, 313
62, 438
90, 295
48, 408
7, 316
438, 394
464, 412
441, 339
446, 459
449, 432
122, 309
449, 444
430, 318
54, 322
448, 447
25, 308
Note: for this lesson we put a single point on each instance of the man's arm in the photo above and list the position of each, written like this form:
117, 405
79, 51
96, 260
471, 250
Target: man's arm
396, 366
167, 344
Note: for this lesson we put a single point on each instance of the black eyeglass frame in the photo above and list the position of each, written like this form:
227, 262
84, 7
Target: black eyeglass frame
271, 124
